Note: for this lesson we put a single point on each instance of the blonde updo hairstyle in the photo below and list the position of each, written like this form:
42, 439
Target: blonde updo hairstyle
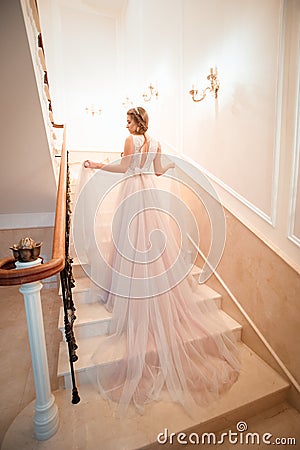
140, 116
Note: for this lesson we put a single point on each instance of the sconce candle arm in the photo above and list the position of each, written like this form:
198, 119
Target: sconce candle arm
214, 87
194, 93
152, 92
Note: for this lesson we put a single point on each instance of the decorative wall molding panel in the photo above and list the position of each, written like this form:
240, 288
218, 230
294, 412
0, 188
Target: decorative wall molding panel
294, 216
26, 220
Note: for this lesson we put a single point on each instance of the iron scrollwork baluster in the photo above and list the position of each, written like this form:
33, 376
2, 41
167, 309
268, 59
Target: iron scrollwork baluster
67, 283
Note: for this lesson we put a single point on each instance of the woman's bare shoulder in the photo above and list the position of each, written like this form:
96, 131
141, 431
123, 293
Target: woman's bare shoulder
128, 145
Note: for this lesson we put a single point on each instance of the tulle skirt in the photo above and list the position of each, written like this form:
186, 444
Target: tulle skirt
163, 336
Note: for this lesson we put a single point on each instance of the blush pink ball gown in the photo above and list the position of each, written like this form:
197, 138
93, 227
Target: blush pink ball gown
162, 335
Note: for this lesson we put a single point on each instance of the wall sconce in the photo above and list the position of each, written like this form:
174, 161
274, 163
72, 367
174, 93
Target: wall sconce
214, 87
127, 103
93, 111
152, 92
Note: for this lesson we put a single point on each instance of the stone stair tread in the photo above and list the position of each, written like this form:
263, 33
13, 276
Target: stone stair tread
93, 312
82, 284
206, 292
194, 272
87, 346
230, 323
258, 387
86, 313
89, 313
258, 382
76, 261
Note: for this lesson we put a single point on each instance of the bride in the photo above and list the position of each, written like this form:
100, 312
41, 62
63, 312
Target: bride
162, 336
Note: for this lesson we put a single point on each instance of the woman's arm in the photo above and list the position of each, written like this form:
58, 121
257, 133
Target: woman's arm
116, 168
158, 168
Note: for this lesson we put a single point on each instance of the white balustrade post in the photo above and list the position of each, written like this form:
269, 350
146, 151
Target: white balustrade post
46, 411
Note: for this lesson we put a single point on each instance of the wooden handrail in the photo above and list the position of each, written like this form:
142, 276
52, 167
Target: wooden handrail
9, 276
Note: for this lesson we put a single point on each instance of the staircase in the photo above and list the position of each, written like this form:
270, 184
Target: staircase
259, 387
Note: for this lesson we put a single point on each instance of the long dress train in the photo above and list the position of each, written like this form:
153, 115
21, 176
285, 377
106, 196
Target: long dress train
162, 335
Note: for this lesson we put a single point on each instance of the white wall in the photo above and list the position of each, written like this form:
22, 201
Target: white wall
230, 138
26, 162
81, 55
246, 141
152, 42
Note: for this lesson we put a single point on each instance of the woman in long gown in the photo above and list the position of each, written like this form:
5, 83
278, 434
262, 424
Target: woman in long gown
162, 336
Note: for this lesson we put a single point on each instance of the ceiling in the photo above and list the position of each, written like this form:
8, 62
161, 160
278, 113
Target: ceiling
109, 8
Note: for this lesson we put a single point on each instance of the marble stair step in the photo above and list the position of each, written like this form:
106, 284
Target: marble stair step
258, 388
81, 292
206, 292
92, 424
93, 319
79, 269
105, 248
88, 345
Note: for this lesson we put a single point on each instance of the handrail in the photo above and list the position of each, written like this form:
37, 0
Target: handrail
281, 364
8, 276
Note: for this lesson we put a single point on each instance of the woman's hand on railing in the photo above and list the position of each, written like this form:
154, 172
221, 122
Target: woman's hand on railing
92, 165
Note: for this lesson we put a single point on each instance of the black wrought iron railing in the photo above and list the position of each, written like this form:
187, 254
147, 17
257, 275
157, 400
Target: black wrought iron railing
67, 283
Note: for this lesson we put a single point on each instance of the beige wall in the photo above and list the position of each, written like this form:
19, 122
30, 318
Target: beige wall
266, 287
269, 291
10, 237
26, 164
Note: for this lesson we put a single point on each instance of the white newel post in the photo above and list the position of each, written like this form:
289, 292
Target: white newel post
46, 411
